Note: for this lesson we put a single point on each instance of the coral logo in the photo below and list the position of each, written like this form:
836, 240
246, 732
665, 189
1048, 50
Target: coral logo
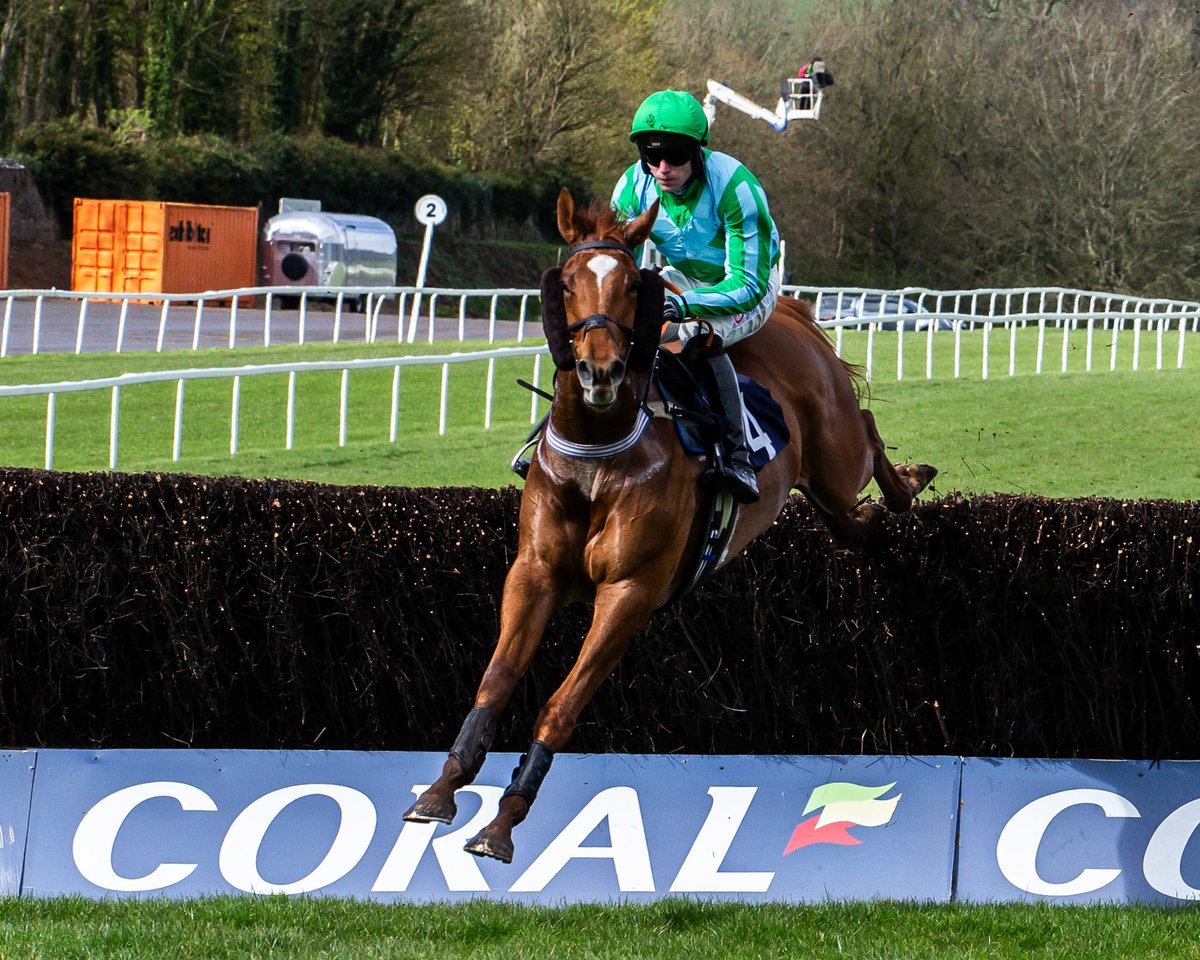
842, 806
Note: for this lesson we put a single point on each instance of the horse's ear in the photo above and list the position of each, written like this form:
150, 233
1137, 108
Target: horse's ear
566, 217
647, 322
554, 320
638, 229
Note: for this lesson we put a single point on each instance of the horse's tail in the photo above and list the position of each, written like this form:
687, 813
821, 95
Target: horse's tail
803, 312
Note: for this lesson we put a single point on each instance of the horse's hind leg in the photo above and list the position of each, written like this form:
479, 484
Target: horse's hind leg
529, 600
843, 462
898, 482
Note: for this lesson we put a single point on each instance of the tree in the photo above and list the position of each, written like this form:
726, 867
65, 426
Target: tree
347, 69
1098, 155
555, 84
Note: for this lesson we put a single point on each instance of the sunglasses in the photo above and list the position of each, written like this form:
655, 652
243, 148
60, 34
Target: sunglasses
676, 156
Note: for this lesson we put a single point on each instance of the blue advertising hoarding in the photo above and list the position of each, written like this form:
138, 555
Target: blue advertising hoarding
16, 785
1079, 831
605, 828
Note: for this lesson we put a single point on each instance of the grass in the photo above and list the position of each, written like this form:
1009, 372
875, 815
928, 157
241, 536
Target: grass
1123, 433
277, 927
420, 456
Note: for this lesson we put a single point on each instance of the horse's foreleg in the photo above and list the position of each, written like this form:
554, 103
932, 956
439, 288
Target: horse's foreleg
621, 611
529, 600
436, 805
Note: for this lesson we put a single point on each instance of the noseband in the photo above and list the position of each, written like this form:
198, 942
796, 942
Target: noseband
601, 320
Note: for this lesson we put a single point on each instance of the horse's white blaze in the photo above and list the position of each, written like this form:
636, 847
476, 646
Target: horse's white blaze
602, 266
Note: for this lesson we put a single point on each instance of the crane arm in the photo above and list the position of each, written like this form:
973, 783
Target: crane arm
800, 100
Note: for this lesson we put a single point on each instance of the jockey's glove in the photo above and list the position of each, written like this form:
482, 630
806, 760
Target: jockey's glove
672, 307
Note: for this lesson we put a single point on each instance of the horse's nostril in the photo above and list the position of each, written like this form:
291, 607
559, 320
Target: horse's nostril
584, 370
616, 373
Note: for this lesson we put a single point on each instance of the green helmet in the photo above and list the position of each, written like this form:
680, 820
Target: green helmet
671, 111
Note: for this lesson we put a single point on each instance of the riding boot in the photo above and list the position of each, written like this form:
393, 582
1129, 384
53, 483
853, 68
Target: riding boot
739, 474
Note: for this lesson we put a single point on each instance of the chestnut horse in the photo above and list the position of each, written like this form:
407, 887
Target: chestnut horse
612, 511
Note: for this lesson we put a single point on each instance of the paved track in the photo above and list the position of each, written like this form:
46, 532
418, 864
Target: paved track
58, 331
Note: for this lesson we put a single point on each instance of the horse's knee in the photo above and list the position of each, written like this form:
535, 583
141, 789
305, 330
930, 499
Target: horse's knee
856, 527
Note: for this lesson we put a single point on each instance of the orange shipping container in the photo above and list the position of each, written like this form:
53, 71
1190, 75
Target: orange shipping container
146, 246
3, 240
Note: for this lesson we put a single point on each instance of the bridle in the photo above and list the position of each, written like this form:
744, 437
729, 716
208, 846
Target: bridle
596, 321
588, 451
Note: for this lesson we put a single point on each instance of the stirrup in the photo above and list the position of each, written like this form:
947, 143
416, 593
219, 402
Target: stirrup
520, 465
741, 483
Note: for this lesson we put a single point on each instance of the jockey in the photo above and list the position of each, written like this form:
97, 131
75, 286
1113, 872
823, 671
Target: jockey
717, 236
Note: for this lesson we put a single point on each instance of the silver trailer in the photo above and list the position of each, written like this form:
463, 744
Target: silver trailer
306, 247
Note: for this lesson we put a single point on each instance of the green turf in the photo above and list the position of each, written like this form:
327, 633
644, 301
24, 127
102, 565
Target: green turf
1123, 433
276, 927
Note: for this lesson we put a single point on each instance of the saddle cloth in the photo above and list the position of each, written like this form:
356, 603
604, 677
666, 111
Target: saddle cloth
689, 398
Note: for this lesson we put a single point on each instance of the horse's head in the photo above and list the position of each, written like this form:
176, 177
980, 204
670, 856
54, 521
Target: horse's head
602, 315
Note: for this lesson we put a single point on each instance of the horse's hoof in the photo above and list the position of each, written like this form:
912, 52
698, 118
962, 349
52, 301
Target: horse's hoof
918, 475
485, 845
429, 809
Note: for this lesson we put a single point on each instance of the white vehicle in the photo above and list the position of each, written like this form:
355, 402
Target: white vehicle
799, 99
306, 247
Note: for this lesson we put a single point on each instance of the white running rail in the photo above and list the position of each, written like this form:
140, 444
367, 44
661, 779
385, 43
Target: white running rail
1056, 318
236, 374
64, 321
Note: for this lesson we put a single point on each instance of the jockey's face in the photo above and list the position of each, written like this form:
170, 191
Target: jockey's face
669, 176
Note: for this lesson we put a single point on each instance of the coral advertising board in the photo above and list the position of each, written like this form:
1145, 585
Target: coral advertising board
614, 828
630, 828
1080, 831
